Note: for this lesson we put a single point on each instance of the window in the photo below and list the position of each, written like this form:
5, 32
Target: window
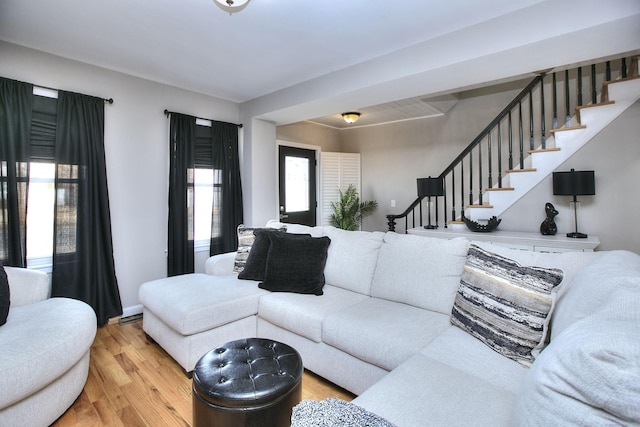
41, 201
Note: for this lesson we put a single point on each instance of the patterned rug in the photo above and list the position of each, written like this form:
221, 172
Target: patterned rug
333, 412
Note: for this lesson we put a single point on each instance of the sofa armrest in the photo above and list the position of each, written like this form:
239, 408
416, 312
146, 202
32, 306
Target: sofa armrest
220, 264
27, 286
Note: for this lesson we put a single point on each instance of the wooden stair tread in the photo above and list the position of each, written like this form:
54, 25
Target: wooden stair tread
599, 104
480, 206
543, 150
623, 79
500, 189
520, 170
569, 128
456, 222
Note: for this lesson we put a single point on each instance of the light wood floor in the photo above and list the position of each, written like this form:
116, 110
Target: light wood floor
133, 382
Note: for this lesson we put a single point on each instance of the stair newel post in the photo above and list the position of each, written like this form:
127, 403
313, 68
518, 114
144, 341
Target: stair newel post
623, 68
554, 124
531, 144
579, 86
499, 156
607, 73
510, 142
594, 92
521, 135
543, 129
567, 101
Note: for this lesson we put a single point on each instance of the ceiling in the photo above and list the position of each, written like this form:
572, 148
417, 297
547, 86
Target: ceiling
270, 47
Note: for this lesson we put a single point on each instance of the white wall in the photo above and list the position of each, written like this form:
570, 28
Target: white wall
137, 153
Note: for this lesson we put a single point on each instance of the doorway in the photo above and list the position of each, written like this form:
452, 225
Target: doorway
297, 185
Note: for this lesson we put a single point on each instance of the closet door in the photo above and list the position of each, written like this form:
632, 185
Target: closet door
337, 171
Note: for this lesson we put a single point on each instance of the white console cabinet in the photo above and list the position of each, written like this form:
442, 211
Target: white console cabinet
516, 239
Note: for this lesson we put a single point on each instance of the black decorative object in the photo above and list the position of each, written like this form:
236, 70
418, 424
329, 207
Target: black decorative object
430, 187
574, 183
548, 226
490, 225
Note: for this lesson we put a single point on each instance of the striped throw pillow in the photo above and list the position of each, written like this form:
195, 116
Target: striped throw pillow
245, 241
505, 305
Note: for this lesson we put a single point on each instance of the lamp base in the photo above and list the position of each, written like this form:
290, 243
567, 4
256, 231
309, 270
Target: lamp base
430, 227
576, 235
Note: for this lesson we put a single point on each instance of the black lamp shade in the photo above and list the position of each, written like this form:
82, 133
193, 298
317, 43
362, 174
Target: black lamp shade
429, 187
574, 183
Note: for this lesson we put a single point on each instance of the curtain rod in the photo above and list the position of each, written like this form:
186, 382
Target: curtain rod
167, 112
106, 100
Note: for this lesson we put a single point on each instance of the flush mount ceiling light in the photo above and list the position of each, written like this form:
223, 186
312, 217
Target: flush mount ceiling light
351, 116
232, 6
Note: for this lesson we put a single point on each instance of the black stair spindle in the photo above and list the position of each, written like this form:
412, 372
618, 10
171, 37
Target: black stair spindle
521, 134
444, 206
470, 177
607, 73
499, 156
453, 194
554, 124
461, 189
531, 143
623, 68
543, 129
567, 102
579, 86
510, 142
490, 161
594, 92
480, 173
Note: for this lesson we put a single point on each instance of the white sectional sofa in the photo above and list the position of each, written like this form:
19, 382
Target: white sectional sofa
44, 351
383, 329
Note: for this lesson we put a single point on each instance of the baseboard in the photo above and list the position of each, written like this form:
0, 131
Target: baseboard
133, 310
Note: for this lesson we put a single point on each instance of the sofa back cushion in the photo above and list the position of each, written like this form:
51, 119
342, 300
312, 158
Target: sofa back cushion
352, 258
419, 271
592, 286
590, 373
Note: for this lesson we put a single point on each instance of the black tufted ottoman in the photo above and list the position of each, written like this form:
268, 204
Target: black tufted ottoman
249, 382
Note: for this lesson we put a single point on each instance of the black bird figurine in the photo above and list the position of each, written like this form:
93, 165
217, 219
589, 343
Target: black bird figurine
548, 226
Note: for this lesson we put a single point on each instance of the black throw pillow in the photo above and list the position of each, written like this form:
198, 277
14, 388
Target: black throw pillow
296, 264
256, 263
5, 300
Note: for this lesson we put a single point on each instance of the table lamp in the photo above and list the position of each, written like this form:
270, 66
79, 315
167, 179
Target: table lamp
574, 183
430, 187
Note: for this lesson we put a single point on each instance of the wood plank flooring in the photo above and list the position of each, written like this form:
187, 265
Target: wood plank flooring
133, 382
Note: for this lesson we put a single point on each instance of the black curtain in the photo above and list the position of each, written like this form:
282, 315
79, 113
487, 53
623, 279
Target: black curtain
224, 237
16, 100
83, 265
181, 165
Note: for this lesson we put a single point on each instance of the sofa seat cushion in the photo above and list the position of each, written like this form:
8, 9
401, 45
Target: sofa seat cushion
192, 303
420, 271
303, 314
40, 342
426, 392
383, 333
352, 258
461, 351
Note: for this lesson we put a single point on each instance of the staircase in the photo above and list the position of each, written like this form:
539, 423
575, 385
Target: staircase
501, 165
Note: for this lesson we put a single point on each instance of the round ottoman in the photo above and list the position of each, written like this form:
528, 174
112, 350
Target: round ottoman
249, 382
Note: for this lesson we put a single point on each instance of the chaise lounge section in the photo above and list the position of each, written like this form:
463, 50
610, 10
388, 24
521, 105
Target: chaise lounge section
384, 328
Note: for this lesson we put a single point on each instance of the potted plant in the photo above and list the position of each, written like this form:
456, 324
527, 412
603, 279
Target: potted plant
349, 210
